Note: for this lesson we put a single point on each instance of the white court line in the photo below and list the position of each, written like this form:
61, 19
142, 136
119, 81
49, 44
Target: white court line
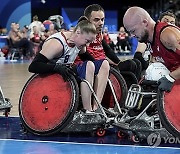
138, 146
132, 146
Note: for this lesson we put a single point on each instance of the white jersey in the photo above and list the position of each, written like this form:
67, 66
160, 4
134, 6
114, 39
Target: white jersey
69, 54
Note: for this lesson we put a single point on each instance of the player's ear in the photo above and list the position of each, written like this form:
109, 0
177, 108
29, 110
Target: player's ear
145, 22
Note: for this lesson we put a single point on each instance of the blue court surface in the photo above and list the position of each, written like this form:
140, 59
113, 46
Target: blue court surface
14, 140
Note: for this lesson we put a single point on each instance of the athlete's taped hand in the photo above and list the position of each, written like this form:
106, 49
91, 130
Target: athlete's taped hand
166, 83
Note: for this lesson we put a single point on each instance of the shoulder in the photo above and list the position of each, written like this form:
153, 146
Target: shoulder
169, 36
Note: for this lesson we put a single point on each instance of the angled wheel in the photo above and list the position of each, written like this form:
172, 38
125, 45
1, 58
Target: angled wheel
168, 105
47, 103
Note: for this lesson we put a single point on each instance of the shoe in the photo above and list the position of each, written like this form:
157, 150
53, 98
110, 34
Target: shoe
98, 110
88, 111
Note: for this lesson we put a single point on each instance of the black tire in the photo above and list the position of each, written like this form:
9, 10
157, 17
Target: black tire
123, 89
65, 120
129, 77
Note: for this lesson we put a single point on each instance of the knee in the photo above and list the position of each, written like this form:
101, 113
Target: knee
90, 68
105, 67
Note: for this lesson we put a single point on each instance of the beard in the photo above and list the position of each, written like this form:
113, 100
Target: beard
99, 29
145, 37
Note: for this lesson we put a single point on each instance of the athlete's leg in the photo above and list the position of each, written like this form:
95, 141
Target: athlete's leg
85, 91
100, 80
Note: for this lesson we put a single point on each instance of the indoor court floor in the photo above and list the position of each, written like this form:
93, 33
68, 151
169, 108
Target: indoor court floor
13, 140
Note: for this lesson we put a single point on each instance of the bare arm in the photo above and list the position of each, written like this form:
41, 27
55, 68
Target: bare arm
51, 49
170, 38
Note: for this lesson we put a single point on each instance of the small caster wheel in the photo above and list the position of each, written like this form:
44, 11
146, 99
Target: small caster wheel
135, 138
100, 132
120, 134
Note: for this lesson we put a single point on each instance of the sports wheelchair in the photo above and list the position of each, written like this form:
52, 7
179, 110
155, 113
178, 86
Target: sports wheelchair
49, 105
148, 110
5, 104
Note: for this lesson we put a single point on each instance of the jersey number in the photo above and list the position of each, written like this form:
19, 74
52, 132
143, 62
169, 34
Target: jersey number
66, 58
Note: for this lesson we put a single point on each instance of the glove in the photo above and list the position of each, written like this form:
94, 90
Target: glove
64, 71
166, 83
144, 63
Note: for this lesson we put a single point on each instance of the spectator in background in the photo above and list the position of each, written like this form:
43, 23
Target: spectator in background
17, 40
123, 40
52, 29
24, 31
38, 24
36, 35
107, 38
37, 38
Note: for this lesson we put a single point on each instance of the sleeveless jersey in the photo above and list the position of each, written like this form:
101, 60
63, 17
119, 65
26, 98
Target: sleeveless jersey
69, 53
166, 56
95, 48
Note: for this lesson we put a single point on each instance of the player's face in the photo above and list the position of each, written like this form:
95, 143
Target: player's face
139, 31
84, 38
168, 19
97, 18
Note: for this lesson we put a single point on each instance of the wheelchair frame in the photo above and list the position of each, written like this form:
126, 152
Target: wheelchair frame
140, 126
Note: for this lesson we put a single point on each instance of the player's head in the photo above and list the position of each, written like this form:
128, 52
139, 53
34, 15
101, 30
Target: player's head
168, 17
85, 32
95, 14
137, 21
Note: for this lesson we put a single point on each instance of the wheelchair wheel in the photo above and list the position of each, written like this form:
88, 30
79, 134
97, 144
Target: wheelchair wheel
47, 103
120, 88
129, 77
168, 105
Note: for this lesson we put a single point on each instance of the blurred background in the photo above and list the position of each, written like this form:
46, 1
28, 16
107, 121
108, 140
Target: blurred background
22, 11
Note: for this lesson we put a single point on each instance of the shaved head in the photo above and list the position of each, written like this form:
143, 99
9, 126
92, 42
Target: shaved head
138, 22
135, 15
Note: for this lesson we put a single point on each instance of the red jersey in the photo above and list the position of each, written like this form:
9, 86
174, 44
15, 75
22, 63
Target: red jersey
168, 57
95, 48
